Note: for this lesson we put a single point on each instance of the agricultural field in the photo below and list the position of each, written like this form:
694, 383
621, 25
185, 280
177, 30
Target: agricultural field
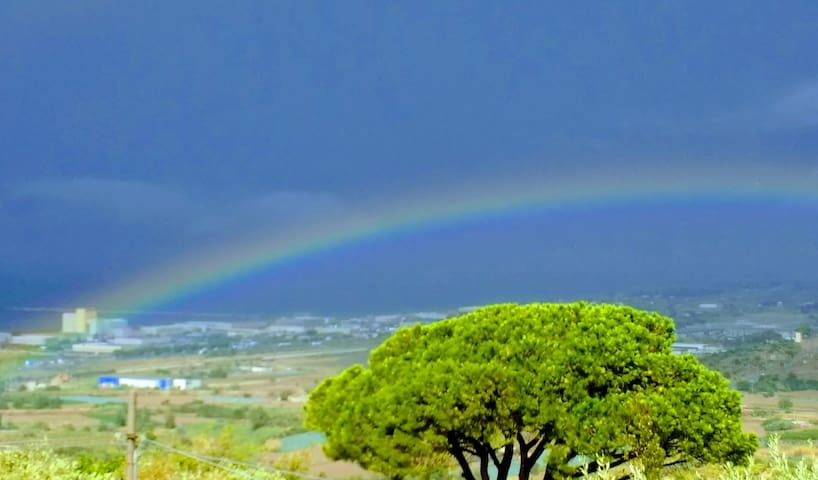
250, 407
256, 416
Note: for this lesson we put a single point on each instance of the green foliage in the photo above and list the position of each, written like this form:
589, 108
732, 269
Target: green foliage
744, 386
810, 435
45, 464
258, 418
775, 360
218, 372
111, 414
283, 420
27, 400
771, 383
170, 420
785, 404
210, 410
780, 467
106, 462
805, 329
40, 425
777, 425
505, 380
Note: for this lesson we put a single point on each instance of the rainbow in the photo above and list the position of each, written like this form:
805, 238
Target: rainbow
464, 203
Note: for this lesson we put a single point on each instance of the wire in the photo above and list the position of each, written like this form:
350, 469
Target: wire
213, 461
271, 469
257, 467
199, 458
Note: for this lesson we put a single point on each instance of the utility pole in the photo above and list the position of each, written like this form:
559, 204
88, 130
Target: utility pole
130, 436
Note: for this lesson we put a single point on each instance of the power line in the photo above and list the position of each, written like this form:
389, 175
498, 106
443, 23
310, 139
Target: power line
199, 458
272, 469
213, 461
257, 467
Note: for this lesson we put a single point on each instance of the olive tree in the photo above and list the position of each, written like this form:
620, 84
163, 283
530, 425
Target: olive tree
559, 384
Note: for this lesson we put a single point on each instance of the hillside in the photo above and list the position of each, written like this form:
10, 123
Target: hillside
769, 366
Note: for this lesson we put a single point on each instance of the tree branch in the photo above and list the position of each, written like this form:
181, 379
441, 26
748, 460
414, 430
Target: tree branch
457, 451
505, 463
539, 449
494, 458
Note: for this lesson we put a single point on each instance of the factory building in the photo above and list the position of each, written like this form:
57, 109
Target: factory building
95, 347
108, 327
78, 321
31, 339
112, 381
85, 321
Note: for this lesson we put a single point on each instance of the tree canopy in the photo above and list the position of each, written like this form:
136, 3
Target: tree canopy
571, 383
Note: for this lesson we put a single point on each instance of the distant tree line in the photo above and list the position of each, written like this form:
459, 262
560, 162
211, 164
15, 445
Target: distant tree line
771, 383
27, 400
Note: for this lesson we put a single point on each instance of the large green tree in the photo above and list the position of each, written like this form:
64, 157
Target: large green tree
562, 382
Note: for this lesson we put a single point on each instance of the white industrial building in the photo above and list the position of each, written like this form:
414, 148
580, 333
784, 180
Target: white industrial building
95, 347
108, 327
113, 381
78, 320
31, 339
127, 341
187, 383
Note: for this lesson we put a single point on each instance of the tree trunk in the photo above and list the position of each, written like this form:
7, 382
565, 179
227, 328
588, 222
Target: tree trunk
484, 466
505, 463
529, 456
465, 468
525, 468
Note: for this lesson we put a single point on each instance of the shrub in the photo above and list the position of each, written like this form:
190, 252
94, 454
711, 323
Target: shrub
258, 417
780, 467
777, 425
43, 463
785, 404
170, 420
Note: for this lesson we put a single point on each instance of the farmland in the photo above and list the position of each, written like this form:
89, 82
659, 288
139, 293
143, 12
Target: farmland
245, 413
250, 404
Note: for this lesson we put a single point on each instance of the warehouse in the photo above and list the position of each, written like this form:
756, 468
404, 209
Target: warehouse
113, 381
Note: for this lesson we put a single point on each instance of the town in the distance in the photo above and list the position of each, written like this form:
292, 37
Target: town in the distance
707, 323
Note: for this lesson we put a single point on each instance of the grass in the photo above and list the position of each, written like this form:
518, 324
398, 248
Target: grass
108, 413
778, 466
242, 431
800, 435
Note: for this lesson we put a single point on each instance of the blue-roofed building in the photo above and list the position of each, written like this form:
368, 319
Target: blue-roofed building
108, 382
113, 381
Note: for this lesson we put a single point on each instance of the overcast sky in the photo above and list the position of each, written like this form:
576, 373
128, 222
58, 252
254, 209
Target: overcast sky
131, 133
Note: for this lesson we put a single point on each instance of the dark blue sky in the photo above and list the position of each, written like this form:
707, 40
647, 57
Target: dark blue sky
131, 133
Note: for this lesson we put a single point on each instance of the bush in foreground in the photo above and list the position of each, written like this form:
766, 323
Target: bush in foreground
45, 464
